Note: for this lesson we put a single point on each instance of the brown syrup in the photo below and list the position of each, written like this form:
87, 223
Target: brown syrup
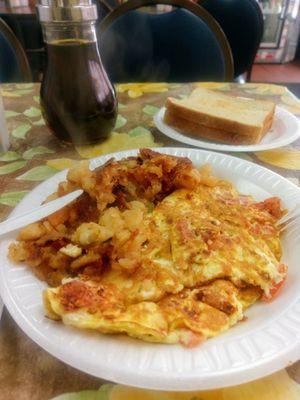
78, 101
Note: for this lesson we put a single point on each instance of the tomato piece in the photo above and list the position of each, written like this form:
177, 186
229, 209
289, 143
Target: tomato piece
273, 291
272, 206
191, 339
282, 268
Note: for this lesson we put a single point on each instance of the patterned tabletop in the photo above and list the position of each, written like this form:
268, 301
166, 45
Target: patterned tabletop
28, 372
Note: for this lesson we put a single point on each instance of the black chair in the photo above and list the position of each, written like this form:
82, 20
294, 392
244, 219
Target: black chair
183, 45
14, 66
242, 23
28, 31
105, 7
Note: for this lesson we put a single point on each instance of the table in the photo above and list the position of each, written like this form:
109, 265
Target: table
27, 371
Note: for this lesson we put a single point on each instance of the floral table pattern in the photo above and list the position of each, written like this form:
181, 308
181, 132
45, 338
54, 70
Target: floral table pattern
28, 372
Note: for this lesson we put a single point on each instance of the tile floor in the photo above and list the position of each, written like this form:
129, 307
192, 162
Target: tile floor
276, 72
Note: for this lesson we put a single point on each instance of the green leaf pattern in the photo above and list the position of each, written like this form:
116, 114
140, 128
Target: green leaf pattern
20, 92
38, 173
32, 112
10, 113
12, 198
150, 110
139, 130
21, 130
12, 167
23, 86
102, 394
9, 156
40, 122
121, 121
34, 151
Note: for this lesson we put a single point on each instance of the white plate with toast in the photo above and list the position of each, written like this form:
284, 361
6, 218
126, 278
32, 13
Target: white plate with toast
266, 342
285, 129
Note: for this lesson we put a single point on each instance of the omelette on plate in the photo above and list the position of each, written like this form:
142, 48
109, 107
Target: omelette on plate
156, 249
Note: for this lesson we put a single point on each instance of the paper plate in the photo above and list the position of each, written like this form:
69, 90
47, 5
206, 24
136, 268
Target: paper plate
266, 342
285, 130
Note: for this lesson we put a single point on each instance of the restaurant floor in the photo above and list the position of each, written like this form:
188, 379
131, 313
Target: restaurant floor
276, 72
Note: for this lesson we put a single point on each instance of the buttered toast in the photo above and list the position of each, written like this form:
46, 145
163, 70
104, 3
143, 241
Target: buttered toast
216, 116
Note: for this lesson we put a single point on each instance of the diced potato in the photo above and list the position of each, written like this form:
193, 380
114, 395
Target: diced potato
81, 175
58, 261
71, 250
32, 232
137, 205
122, 236
86, 259
132, 219
90, 232
18, 252
127, 263
112, 219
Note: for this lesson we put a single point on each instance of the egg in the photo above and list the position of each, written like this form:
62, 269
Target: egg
203, 266
157, 250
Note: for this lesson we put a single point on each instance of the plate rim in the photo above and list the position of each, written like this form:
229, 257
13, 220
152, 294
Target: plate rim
155, 381
179, 137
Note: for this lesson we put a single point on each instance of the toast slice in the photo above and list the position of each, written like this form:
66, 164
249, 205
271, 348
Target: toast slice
194, 129
211, 115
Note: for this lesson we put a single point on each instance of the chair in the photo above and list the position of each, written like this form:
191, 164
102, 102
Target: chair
243, 24
104, 7
14, 66
183, 45
28, 31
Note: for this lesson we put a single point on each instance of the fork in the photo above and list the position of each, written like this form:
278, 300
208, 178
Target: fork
39, 212
290, 219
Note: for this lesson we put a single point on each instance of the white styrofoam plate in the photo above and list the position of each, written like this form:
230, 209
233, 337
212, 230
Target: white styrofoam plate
285, 130
266, 342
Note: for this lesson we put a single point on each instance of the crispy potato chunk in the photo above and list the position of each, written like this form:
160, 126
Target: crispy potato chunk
137, 205
71, 250
90, 232
86, 259
32, 232
81, 175
132, 219
19, 252
112, 219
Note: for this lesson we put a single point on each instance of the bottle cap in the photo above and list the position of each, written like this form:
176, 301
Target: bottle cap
66, 10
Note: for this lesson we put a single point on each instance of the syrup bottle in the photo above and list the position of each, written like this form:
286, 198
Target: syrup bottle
77, 99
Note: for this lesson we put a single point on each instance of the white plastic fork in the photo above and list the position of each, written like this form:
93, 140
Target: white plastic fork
11, 224
290, 219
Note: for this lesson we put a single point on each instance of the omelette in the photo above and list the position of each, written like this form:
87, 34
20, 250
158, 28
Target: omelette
155, 249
